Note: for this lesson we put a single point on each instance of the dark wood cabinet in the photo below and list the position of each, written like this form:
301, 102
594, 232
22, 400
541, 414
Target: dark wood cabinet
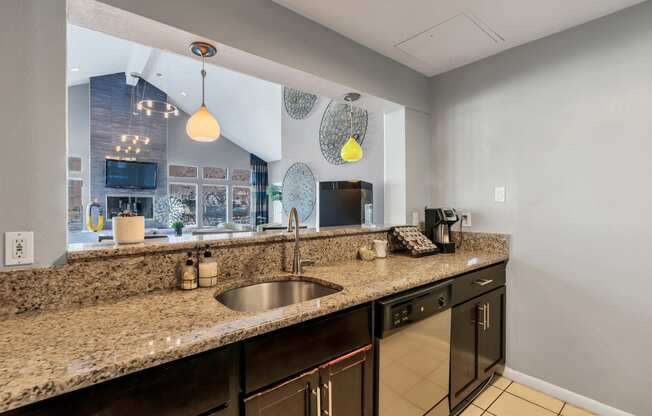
203, 384
297, 397
340, 387
477, 342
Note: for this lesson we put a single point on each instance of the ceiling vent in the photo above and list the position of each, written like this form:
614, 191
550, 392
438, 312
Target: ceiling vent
452, 43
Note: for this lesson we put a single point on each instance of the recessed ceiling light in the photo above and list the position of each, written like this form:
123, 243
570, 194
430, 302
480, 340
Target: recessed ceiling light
74, 69
183, 93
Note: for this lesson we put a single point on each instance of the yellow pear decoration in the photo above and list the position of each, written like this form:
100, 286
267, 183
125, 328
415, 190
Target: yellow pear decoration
351, 151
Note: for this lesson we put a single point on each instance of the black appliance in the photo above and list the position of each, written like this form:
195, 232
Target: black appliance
345, 203
131, 175
438, 227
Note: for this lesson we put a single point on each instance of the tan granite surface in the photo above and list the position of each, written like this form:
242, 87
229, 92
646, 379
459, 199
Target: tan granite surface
50, 353
171, 243
104, 277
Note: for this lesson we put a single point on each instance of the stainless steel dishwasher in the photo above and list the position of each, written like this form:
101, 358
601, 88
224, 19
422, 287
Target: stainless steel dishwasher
414, 352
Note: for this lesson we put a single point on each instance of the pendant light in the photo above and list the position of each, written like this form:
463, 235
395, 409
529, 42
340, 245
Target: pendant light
203, 126
351, 151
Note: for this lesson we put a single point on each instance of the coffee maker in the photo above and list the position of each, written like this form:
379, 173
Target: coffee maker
438, 227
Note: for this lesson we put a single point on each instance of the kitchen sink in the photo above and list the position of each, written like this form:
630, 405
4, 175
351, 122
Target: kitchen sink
275, 294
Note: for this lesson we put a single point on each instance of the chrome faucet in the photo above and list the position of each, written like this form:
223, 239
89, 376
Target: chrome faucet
297, 263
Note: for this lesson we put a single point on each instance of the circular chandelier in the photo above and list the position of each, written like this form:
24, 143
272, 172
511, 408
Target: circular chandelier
134, 139
157, 107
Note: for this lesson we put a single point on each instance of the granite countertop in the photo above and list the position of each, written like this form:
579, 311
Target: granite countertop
83, 251
51, 353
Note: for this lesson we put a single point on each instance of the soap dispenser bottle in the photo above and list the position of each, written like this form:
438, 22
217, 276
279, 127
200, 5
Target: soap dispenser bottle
207, 270
189, 274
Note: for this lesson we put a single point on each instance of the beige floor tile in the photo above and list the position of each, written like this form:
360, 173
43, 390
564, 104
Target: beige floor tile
403, 408
535, 397
472, 410
487, 397
570, 410
501, 382
510, 405
423, 394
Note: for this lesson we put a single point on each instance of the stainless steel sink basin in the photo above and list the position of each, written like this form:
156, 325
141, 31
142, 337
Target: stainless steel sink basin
269, 295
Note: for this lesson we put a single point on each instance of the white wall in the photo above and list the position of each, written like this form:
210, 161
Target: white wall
33, 116
566, 124
79, 134
395, 169
418, 163
300, 143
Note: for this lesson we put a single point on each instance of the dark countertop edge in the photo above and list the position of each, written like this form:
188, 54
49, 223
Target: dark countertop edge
97, 250
135, 365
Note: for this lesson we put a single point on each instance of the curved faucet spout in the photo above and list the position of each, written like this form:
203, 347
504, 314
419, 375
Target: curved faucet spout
296, 260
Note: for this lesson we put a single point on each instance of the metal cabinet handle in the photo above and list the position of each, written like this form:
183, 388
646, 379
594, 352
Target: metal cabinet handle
483, 324
483, 282
317, 392
330, 398
488, 315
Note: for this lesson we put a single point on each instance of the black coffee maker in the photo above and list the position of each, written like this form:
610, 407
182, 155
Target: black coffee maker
438, 227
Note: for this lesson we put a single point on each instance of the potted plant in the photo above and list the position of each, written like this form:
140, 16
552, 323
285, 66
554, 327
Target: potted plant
178, 228
128, 228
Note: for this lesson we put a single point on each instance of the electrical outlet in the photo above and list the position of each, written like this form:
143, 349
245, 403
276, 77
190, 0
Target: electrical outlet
466, 219
19, 248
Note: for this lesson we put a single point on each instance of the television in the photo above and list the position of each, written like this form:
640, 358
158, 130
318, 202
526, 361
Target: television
131, 175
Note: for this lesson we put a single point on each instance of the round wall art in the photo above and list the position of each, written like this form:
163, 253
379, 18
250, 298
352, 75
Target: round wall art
335, 129
298, 104
299, 190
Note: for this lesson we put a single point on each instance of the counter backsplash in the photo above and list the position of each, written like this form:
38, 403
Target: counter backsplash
89, 279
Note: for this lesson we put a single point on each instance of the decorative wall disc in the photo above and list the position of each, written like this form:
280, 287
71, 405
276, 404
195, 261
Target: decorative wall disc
335, 129
298, 104
299, 190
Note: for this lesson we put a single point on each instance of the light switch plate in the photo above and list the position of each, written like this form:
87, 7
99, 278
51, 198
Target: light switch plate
19, 248
499, 194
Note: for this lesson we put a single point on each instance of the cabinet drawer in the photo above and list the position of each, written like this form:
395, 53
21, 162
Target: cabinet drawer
476, 283
284, 353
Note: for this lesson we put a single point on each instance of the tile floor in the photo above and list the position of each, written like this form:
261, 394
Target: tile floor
507, 398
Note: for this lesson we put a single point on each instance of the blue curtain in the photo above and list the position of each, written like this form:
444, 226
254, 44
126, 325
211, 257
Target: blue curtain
259, 181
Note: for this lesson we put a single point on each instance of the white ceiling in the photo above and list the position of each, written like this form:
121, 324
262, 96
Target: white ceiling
435, 36
248, 108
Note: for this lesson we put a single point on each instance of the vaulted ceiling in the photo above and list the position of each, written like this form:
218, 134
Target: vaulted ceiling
434, 36
248, 108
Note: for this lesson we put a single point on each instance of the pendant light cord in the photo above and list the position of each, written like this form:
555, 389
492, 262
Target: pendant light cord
351, 114
203, 77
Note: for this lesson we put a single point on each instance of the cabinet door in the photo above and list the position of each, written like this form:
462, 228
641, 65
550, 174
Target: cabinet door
491, 339
297, 397
464, 341
347, 384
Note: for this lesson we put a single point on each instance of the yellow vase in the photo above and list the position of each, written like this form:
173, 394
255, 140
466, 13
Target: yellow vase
351, 151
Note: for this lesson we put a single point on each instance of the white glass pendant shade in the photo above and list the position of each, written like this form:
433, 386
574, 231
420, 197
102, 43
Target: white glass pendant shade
202, 126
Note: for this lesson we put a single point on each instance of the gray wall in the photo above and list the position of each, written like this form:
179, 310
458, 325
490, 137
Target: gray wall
566, 124
300, 143
184, 151
418, 163
111, 117
33, 116
266, 29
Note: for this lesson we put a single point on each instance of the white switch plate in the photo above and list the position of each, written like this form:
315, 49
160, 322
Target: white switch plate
466, 219
499, 194
19, 248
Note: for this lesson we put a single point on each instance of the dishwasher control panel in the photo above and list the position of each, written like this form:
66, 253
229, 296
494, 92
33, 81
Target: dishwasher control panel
413, 306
